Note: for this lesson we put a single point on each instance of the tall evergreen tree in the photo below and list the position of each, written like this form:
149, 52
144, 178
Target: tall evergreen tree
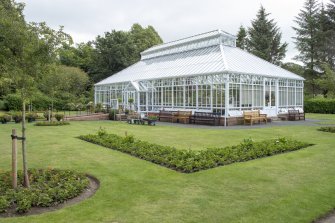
265, 38
330, 10
241, 40
307, 41
307, 33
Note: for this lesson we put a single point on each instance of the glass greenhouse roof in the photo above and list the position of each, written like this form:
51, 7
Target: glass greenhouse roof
208, 53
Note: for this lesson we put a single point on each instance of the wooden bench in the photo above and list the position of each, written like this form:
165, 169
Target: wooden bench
182, 116
254, 116
294, 114
205, 118
166, 115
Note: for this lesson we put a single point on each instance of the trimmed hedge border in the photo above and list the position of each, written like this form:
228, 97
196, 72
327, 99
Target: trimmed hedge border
320, 105
327, 129
48, 187
51, 123
188, 161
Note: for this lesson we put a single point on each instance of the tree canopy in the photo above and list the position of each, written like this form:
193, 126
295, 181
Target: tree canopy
264, 38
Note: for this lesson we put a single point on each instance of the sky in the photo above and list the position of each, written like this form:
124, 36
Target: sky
173, 19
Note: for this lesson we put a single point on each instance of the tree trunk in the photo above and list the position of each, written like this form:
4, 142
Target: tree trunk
24, 154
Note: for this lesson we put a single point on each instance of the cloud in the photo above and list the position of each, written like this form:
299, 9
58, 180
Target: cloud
173, 19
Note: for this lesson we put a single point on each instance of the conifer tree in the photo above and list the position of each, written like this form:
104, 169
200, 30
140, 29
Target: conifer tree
241, 40
307, 39
265, 38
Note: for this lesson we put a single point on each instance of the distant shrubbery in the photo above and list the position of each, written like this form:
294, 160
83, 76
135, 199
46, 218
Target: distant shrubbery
320, 105
189, 161
51, 123
327, 129
48, 187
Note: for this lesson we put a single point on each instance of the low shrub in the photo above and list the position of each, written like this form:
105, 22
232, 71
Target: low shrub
52, 123
189, 161
5, 118
17, 117
48, 187
320, 105
327, 129
31, 117
112, 114
46, 115
59, 117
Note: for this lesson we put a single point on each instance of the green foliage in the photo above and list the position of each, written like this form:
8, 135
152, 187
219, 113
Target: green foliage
59, 117
327, 129
48, 187
4, 203
189, 161
326, 82
31, 117
17, 117
2, 105
5, 118
264, 38
13, 102
241, 40
46, 115
112, 114
52, 123
319, 105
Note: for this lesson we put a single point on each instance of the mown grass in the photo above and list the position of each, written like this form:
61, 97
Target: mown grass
292, 187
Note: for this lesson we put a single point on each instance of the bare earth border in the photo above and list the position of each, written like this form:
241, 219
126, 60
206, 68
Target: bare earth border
328, 218
88, 192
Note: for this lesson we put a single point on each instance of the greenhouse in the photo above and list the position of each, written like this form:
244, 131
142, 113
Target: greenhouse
206, 72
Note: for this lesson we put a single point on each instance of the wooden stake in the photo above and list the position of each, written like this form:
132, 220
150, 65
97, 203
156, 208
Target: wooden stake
14, 158
126, 133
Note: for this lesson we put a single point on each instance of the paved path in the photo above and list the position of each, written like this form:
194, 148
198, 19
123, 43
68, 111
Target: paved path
307, 122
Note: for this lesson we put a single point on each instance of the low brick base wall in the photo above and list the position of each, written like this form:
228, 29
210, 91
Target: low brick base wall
92, 117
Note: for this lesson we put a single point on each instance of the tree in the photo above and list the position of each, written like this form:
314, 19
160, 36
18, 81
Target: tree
330, 41
307, 39
111, 52
264, 38
26, 52
144, 38
241, 40
327, 81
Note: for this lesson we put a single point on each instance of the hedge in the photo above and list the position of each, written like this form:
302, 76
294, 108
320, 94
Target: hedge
188, 161
320, 105
53, 123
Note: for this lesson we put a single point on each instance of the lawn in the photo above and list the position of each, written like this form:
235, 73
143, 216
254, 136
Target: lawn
293, 187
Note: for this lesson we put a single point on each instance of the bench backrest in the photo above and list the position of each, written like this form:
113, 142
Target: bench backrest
184, 113
251, 113
166, 113
206, 114
291, 111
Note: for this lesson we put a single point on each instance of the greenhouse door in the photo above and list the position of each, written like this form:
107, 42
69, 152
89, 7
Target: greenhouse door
270, 98
114, 104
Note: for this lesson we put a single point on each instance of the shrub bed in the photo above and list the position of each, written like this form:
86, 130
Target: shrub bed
327, 129
320, 105
188, 161
48, 187
51, 123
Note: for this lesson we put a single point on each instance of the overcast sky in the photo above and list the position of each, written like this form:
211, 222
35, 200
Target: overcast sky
173, 19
